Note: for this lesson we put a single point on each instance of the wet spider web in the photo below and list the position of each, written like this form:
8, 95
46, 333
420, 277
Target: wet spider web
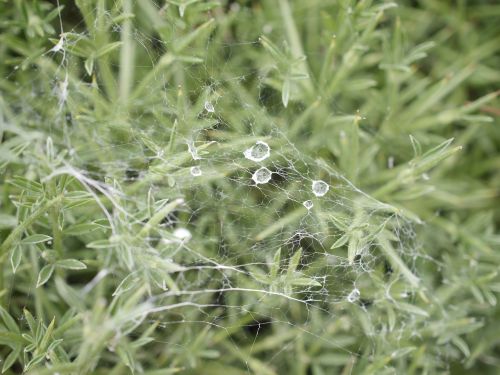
258, 235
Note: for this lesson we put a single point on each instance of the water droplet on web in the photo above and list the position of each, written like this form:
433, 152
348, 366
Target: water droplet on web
308, 204
262, 175
209, 107
182, 234
354, 295
258, 152
195, 171
320, 188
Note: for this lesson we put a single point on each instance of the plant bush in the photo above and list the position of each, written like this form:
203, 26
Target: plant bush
268, 187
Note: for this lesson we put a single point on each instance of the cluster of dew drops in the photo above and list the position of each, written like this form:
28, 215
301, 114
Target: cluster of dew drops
261, 151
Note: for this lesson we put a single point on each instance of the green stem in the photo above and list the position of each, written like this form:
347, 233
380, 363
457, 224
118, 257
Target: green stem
127, 55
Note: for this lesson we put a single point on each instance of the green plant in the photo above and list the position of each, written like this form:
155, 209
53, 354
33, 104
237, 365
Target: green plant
249, 186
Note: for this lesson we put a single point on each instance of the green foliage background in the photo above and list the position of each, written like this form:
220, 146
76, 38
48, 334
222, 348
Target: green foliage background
394, 104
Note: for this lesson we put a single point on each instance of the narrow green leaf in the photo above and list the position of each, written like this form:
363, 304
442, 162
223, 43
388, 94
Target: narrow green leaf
285, 92
25, 184
15, 257
44, 342
107, 49
403, 352
11, 358
417, 148
126, 284
34, 361
9, 321
340, 242
10, 338
45, 274
304, 281
30, 320
35, 238
462, 345
89, 65
272, 49
294, 262
354, 247
79, 229
412, 309
7, 221
126, 355
276, 264
180, 44
101, 244
71, 264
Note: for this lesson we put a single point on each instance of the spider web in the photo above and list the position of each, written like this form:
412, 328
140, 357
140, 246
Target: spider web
235, 254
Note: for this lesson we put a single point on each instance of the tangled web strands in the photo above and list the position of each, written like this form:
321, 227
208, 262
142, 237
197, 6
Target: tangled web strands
213, 238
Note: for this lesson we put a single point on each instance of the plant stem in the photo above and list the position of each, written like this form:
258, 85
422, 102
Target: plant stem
127, 55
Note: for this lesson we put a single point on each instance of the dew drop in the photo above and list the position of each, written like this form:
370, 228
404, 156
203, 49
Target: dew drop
308, 204
258, 152
209, 107
320, 188
182, 234
354, 295
262, 175
195, 171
